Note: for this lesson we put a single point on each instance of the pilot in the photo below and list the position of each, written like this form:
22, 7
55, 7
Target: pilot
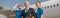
19, 12
27, 12
38, 10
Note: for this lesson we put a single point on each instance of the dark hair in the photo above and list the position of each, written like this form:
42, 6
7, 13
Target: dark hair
38, 1
19, 5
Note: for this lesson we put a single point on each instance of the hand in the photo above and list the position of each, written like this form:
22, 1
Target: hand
41, 16
32, 16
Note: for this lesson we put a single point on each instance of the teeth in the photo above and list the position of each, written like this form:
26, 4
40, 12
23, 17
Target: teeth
2, 16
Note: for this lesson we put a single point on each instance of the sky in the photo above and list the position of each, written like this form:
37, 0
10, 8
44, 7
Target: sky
10, 3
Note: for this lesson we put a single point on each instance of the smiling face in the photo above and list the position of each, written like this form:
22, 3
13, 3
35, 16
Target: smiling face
38, 4
19, 7
26, 4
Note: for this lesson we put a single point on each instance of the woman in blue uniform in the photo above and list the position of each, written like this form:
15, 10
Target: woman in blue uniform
38, 10
19, 12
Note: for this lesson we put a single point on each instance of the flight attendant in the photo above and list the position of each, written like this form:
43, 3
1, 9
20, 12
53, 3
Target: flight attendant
19, 11
38, 10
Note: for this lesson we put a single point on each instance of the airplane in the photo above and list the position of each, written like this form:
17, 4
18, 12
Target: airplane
51, 9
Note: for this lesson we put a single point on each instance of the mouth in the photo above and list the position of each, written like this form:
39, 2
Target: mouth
2, 16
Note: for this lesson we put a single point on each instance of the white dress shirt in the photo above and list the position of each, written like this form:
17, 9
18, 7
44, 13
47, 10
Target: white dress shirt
26, 10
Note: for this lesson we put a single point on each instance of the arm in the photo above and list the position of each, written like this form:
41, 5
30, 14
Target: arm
41, 13
15, 7
38, 15
41, 16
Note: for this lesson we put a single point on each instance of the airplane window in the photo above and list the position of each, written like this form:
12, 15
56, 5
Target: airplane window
57, 5
47, 6
54, 5
51, 6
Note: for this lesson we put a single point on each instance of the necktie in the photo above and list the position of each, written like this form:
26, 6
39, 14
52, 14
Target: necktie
26, 10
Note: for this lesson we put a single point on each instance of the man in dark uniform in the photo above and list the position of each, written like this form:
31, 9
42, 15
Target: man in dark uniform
28, 12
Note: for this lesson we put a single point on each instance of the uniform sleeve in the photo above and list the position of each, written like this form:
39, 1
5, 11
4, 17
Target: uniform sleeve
33, 11
41, 11
38, 15
16, 13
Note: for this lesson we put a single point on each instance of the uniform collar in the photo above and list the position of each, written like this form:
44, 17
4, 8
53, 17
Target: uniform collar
27, 8
18, 9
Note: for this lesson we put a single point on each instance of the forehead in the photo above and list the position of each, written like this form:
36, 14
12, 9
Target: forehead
37, 2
